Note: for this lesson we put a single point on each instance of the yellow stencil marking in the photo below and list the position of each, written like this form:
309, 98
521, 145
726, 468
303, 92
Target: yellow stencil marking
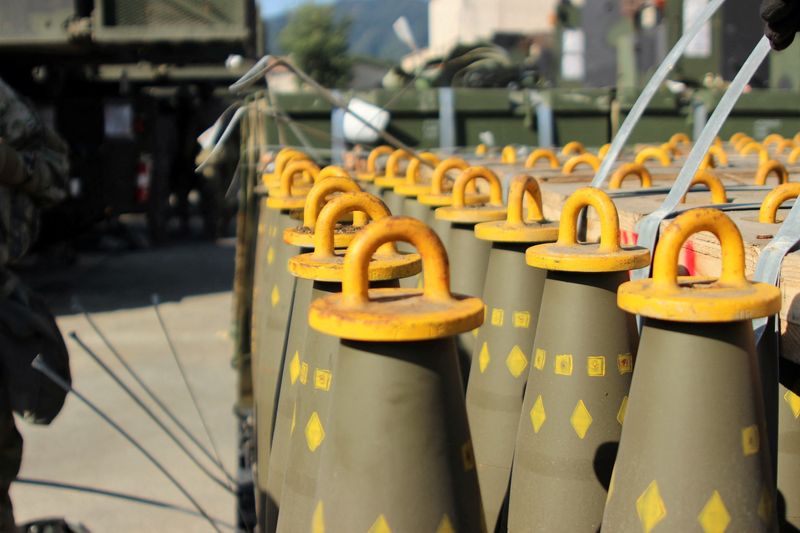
318, 519
765, 506
538, 416
315, 433
596, 365
322, 379
270, 255
304, 373
564, 364
380, 526
475, 332
714, 517
516, 362
581, 419
623, 407
522, 319
294, 417
483, 358
497, 316
625, 363
276, 296
294, 368
794, 402
650, 507
273, 231
750, 440
467, 456
539, 358
445, 526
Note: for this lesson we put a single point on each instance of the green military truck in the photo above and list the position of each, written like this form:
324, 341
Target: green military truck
130, 84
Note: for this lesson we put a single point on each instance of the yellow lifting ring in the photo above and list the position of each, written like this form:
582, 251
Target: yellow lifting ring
631, 169
793, 155
772, 138
733, 139
325, 263
742, 142
509, 155
582, 159
533, 228
601, 153
391, 177
768, 212
438, 197
284, 157
718, 154
752, 146
714, 184
283, 198
771, 167
412, 185
783, 145
332, 171
796, 138
481, 150
681, 138
542, 153
694, 298
396, 314
566, 254
460, 212
655, 153
573, 147
372, 162
317, 197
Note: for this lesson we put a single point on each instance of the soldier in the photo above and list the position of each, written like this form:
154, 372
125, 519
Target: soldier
33, 173
782, 18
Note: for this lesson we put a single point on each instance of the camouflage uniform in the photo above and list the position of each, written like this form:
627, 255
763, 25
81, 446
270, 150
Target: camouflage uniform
45, 167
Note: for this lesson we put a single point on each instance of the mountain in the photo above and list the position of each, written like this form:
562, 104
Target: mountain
371, 33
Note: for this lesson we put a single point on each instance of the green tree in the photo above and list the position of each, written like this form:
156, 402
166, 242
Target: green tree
319, 44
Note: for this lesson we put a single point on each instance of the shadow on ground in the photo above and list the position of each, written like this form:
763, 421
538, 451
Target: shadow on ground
122, 280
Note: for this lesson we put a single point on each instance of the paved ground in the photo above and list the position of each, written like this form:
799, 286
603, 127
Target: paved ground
193, 281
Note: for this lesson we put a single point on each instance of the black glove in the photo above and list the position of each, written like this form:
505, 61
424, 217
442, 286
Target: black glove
12, 168
782, 19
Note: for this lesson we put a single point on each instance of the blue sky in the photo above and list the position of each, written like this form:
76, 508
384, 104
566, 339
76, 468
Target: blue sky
270, 8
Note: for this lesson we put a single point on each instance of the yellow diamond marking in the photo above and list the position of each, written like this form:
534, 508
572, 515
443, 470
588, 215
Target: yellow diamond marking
750, 441
522, 319
794, 402
516, 362
380, 526
445, 526
623, 407
714, 517
650, 507
294, 418
318, 519
294, 368
564, 365
322, 379
483, 358
625, 363
315, 434
539, 358
765, 506
276, 296
596, 365
538, 415
497, 316
270, 255
580, 419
